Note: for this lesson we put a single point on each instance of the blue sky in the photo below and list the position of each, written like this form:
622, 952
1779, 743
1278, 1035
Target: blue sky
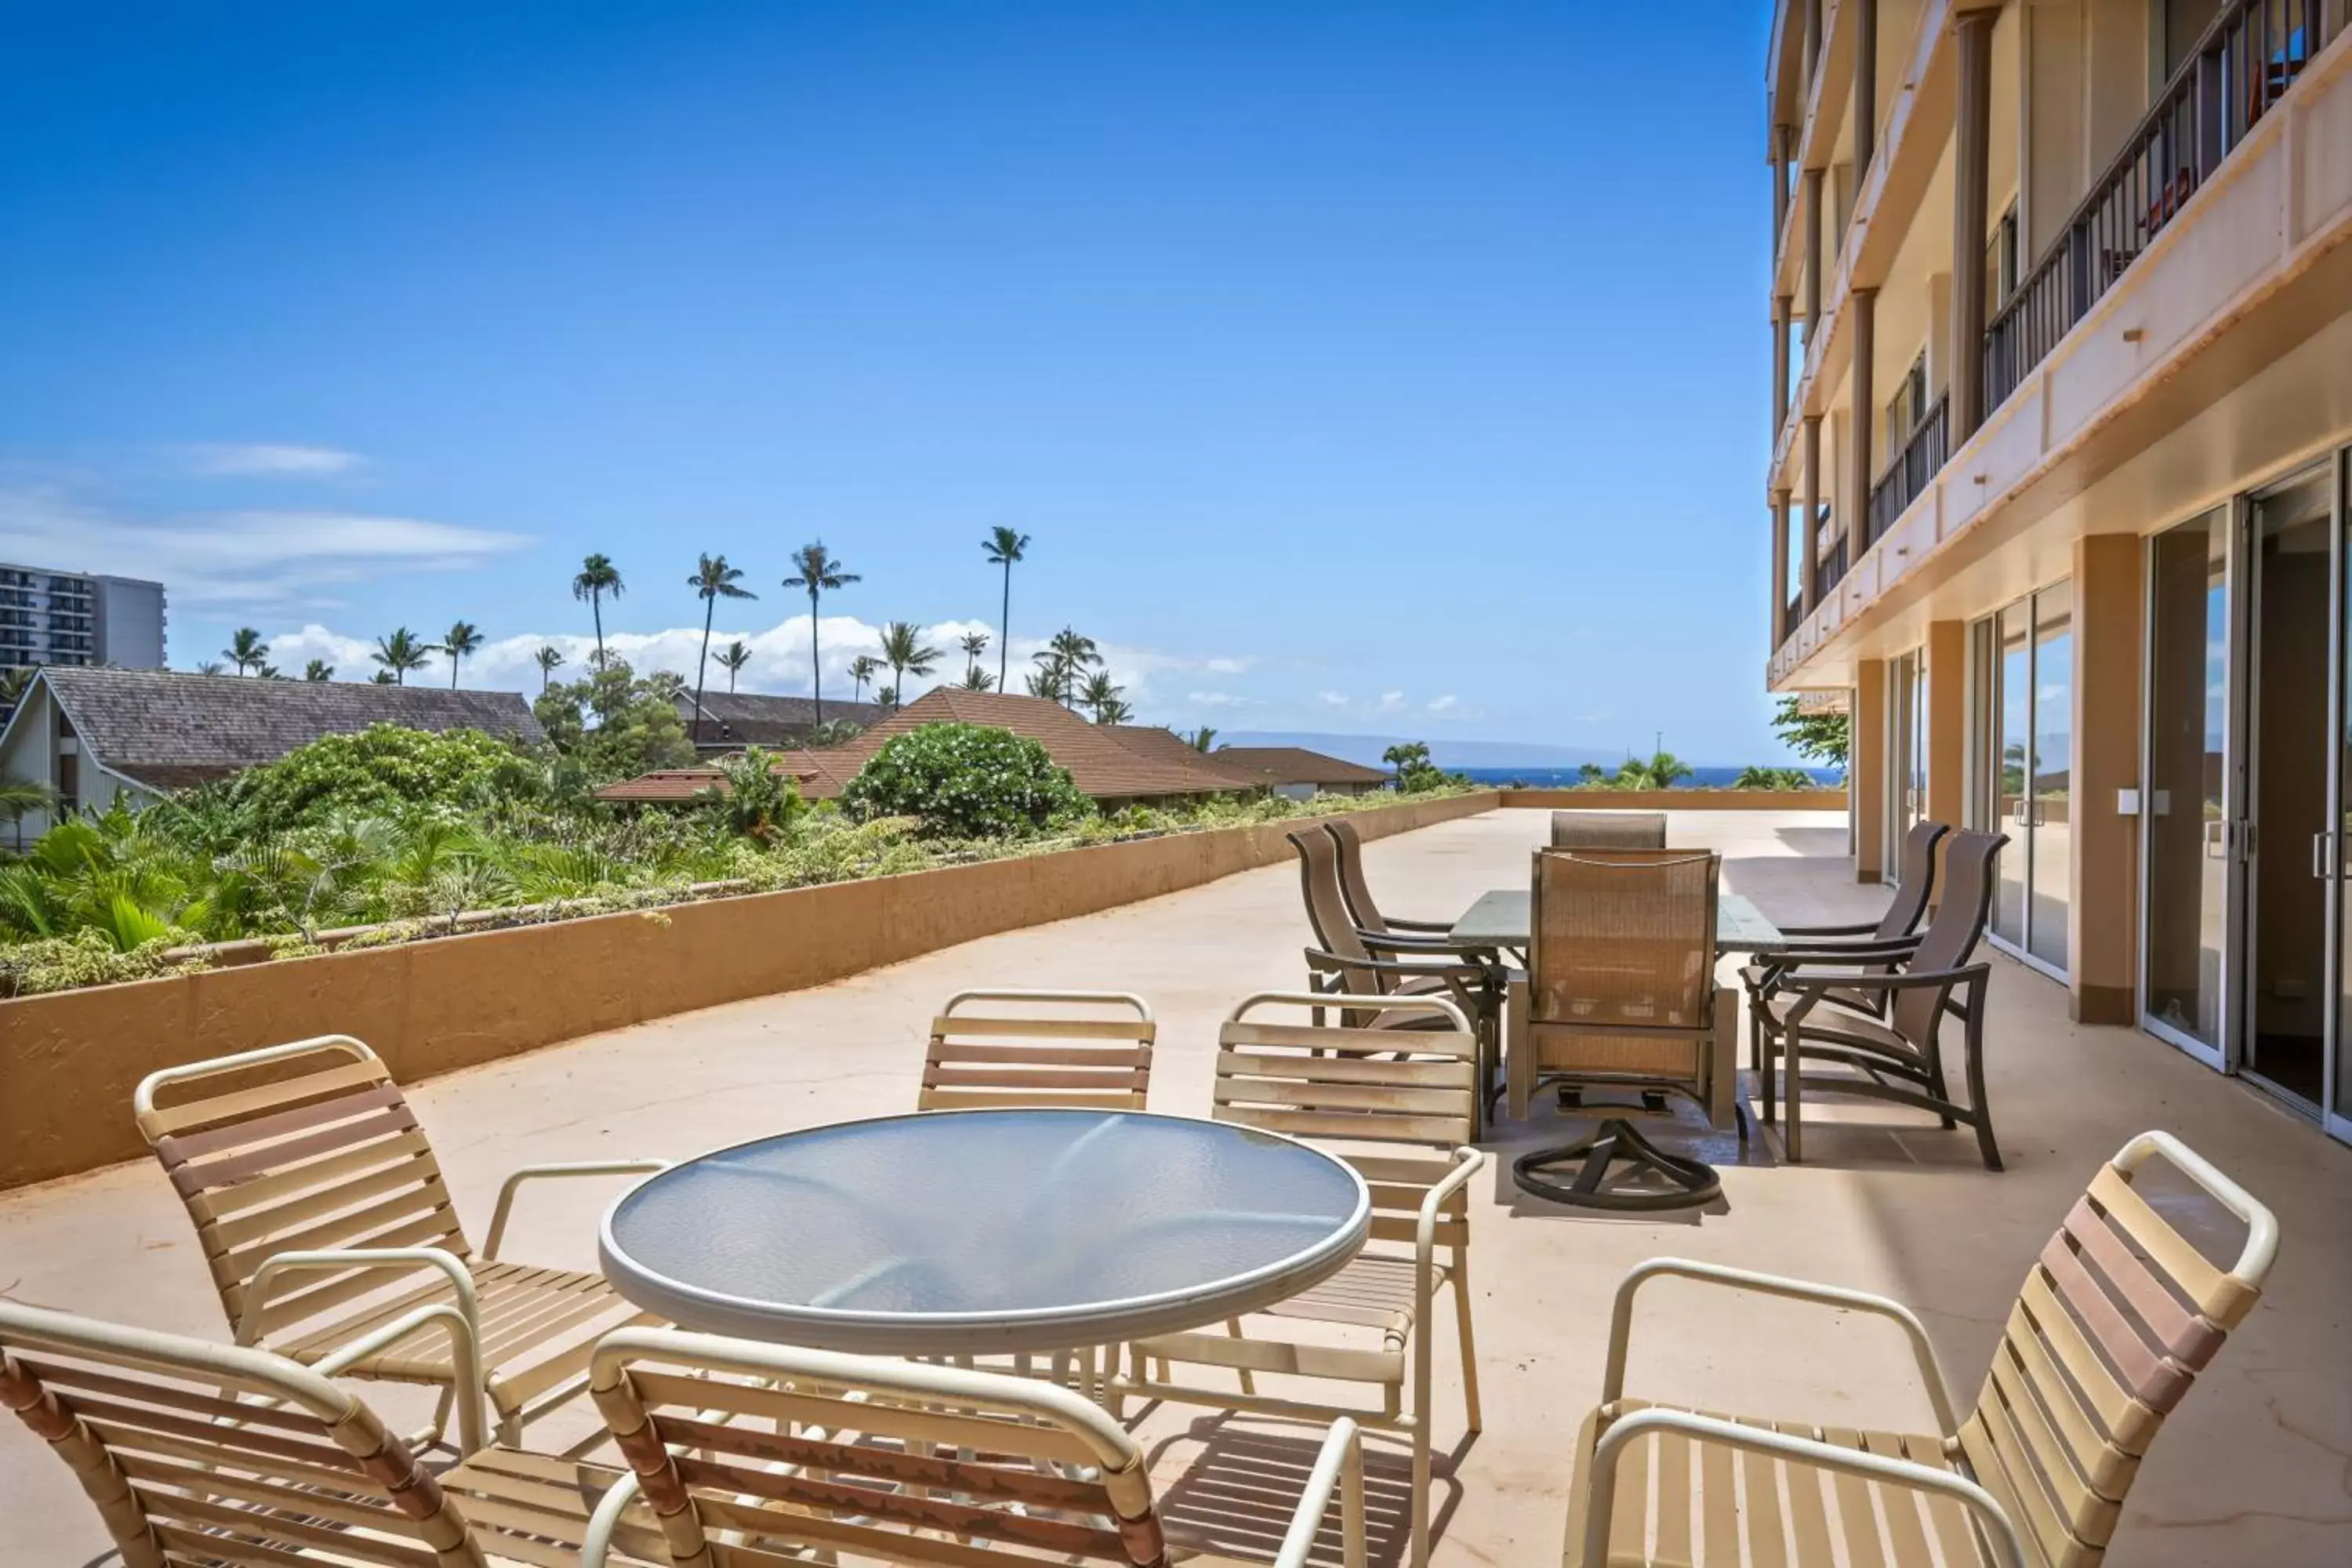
1393, 368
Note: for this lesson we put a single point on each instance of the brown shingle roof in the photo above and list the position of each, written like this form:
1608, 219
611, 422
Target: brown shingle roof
738, 718
1293, 765
1100, 761
169, 729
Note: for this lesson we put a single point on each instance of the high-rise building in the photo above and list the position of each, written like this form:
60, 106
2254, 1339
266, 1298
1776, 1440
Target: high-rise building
2062, 441
74, 617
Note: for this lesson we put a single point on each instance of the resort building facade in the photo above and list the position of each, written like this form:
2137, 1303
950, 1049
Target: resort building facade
2058, 492
74, 617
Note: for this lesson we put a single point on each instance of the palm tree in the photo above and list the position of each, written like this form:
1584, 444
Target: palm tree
713, 580
903, 651
318, 670
819, 574
462, 638
1200, 739
1103, 697
1075, 655
270, 672
598, 576
547, 658
974, 644
862, 669
385, 678
245, 650
400, 653
212, 667
978, 679
1003, 547
732, 659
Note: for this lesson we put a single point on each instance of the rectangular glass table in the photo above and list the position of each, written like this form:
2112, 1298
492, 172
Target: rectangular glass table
1502, 918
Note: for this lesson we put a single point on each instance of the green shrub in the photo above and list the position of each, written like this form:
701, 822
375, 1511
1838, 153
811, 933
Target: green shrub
382, 768
758, 802
1754, 777
964, 781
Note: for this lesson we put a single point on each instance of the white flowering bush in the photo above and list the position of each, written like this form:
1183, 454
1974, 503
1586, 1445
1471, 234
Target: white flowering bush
965, 780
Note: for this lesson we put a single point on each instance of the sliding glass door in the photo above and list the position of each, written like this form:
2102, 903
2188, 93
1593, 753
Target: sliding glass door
2031, 784
2186, 805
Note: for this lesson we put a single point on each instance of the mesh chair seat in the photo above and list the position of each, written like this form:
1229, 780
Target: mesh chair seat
1756, 976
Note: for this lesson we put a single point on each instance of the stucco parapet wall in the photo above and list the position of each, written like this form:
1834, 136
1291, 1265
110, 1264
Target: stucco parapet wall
1675, 799
69, 1061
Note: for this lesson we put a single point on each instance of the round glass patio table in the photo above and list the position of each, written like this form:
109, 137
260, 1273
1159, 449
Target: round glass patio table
973, 1232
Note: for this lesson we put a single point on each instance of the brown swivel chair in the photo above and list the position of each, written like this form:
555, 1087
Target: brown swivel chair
1609, 831
1622, 995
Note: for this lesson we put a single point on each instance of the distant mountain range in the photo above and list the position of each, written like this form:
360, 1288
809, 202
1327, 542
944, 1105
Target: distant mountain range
1367, 749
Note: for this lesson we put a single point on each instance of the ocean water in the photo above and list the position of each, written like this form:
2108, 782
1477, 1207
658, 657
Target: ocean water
1563, 778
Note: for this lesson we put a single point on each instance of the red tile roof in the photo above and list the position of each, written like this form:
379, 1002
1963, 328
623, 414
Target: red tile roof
1103, 761
1293, 765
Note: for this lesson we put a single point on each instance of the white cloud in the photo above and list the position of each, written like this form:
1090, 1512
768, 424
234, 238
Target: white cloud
1227, 666
1390, 700
1445, 703
1217, 699
1332, 698
223, 460
243, 561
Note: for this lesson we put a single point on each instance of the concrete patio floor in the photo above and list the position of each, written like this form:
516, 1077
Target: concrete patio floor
2255, 1468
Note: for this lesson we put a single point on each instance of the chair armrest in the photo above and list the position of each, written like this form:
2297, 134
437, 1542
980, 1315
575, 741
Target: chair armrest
1600, 1489
1620, 1320
514, 1181
1378, 939
1338, 1464
1892, 949
1442, 927
596, 1545
1860, 928
464, 1361
1464, 973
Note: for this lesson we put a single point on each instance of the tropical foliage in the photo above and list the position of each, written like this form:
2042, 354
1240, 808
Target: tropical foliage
1823, 738
1752, 777
818, 573
964, 781
612, 724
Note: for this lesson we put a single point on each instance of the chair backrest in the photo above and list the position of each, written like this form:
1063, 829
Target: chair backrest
869, 1456
1622, 966
1349, 1085
290, 1148
1909, 905
1327, 910
1353, 887
2117, 1316
195, 1452
1609, 831
1951, 938
1088, 1050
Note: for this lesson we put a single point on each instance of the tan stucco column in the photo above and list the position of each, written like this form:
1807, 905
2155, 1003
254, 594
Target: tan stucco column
1948, 721
1867, 776
2102, 915
1865, 87
1808, 563
1782, 306
1972, 171
1861, 306
1777, 580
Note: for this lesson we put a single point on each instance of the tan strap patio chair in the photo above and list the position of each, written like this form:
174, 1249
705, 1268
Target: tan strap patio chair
1404, 1123
1866, 944
2117, 1316
1362, 908
1609, 831
1900, 1059
318, 1204
197, 1454
1621, 997
1089, 1051
755, 1455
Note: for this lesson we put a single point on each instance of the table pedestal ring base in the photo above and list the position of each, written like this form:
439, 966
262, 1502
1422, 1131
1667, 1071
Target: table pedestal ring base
1617, 1168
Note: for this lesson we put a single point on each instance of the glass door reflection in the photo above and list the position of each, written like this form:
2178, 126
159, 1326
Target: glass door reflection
2184, 809
2049, 817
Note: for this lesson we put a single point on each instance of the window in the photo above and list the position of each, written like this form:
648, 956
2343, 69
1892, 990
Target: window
2000, 261
1909, 403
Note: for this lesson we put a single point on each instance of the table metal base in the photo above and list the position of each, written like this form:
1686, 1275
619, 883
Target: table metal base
1617, 1168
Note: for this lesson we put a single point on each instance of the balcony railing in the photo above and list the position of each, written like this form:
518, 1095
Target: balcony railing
1920, 460
2244, 63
